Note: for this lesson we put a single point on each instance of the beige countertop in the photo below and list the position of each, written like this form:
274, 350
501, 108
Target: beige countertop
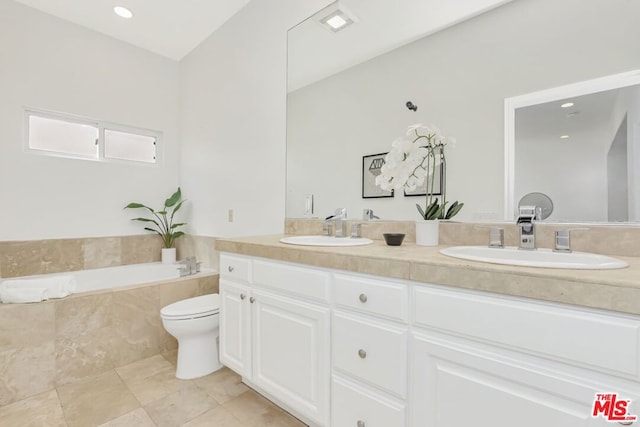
617, 290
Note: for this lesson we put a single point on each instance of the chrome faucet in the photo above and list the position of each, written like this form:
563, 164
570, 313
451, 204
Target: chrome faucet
339, 221
526, 221
368, 215
189, 266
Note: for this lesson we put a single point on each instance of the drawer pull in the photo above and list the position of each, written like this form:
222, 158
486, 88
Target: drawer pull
362, 354
252, 300
360, 423
242, 296
363, 298
230, 268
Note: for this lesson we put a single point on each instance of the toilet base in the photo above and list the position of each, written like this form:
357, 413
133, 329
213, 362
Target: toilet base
197, 357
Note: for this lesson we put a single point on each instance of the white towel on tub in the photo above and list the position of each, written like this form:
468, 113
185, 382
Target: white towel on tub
17, 295
54, 286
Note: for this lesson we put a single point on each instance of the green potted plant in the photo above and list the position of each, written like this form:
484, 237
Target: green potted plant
162, 224
411, 162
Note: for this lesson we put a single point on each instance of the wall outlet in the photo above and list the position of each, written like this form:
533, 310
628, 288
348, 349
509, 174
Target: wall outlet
230, 215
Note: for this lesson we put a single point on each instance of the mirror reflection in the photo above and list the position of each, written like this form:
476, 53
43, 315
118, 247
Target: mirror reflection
579, 152
459, 77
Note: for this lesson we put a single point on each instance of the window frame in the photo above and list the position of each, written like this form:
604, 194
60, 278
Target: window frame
101, 125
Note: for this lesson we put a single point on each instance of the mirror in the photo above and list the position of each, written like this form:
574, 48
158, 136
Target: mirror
577, 144
458, 74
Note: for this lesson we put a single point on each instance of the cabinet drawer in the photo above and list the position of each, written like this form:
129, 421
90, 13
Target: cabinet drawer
292, 279
353, 407
580, 337
236, 268
372, 296
373, 352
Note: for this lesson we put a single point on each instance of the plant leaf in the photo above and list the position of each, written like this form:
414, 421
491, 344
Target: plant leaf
178, 206
179, 224
137, 205
175, 197
420, 211
142, 219
177, 234
454, 209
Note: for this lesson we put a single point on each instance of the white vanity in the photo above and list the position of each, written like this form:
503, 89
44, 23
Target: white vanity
339, 348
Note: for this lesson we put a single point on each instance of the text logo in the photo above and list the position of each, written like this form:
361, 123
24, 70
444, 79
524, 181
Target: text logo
612, 408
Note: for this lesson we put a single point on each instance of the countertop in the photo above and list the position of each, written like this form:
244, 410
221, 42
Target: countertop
617, 290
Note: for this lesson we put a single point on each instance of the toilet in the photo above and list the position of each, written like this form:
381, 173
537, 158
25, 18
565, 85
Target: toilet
195, 323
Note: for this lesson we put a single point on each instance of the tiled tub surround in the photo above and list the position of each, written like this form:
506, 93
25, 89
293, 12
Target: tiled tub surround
617, 290
614, 239
26, 258
48, 344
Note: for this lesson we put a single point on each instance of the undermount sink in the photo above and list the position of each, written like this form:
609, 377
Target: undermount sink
534, 258
326, 241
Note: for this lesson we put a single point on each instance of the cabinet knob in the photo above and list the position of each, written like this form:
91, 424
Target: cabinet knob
362, 354
363, 298
360, 423
252, 300
625, 423
230, 268
242, 296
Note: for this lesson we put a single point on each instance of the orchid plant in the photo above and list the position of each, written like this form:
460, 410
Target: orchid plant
412, 160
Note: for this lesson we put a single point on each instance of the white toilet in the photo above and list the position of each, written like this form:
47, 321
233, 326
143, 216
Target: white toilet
195, 322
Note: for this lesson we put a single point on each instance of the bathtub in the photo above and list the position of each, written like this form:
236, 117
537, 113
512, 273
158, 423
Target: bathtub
120, 277
111, 320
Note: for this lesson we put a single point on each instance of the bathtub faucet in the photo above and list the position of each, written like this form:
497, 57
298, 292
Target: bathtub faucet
189, 266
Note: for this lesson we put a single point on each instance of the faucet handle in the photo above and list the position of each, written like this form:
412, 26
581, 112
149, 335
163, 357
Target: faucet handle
563, 239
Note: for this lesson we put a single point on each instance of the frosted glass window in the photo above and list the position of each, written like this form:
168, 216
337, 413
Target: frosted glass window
129, 146
65, 137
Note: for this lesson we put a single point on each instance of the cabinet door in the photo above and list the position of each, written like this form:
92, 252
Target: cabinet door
235, 341
291, 353
456, 384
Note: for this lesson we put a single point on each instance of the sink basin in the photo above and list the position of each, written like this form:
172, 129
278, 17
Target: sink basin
325, 241
538, 258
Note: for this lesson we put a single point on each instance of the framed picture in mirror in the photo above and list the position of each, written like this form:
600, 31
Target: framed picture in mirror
371, 168
421, 190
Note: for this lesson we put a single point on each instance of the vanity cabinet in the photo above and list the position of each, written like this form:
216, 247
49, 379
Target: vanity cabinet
504, 359
274, 332
369, 347
345, 349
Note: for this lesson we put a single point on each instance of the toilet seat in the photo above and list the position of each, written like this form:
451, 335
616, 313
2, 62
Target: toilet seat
204, 305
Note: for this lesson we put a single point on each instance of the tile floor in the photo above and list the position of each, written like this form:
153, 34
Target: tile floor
146, 393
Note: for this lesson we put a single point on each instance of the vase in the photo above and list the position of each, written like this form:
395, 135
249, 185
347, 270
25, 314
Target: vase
427, 232
168, 255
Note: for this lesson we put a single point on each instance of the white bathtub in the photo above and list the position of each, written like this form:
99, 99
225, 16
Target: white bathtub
118, 277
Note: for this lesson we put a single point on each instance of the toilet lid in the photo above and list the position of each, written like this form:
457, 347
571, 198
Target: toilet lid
202, 305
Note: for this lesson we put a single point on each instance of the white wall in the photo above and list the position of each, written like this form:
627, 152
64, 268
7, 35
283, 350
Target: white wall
633, 154
233, 100
51, 64
459, 79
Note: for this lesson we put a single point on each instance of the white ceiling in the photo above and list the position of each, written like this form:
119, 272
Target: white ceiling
168, 28
381, 26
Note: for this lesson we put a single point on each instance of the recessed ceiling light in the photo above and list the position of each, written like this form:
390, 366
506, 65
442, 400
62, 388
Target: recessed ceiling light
123, 12
567, 105
335, 17
336, 22
564, 137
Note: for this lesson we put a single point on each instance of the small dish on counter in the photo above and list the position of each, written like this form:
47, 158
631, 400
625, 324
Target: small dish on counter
393, 239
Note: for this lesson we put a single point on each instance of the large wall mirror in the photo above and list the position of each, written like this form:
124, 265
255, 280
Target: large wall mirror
457, 63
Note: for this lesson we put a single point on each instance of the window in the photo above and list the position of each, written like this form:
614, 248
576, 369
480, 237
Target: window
68, 136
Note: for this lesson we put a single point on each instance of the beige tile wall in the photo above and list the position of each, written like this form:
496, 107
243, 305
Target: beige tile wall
620, 240
59, 255
52, 343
